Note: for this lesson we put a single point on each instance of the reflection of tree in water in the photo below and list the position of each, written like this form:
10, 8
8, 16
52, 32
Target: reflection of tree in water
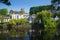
38, 31
9, 27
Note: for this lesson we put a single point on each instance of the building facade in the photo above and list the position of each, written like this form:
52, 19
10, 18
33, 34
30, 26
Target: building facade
16, 15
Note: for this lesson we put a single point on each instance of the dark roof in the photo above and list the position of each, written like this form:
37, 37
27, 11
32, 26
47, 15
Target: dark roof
15, 12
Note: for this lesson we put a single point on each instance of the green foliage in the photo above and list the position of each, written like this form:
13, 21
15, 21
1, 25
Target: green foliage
44, 14
53, 1
34, 10
57, 14
5, 2
49, 24
56, 3
2, 37
12, 32
22, 21
58, 26
20, 28
12, 22
3, 11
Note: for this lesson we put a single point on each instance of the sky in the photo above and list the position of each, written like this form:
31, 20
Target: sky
16, 5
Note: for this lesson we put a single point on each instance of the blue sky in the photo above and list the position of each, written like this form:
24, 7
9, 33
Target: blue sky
26, 4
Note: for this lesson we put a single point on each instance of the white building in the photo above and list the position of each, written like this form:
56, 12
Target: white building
6, 19
17, 15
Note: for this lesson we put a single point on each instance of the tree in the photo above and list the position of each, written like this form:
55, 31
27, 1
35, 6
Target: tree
58, 23
49, 24
22, 21
5, 2
55, 4
3, 13
34, 10
22, 11
52, 7
57, 14
12, 22
19, 27
23, 27
53, 1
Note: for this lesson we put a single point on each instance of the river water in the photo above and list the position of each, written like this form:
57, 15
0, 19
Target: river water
14, 38
6, 37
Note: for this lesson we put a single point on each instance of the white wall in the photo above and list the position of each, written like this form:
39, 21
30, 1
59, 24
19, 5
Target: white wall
18, 16
6, 20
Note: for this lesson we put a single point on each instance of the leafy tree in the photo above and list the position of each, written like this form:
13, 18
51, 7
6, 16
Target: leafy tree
22, 11
58, 23
55, 4
5, 2
12, 22
57, 14
23, 27
11, 27
20, 28
34, 10
22, 21
3, 13
53, 1
49, 24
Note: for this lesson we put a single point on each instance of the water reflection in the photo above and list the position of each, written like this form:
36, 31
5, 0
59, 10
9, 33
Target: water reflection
7, 37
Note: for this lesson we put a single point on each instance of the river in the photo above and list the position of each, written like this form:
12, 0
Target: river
14, 38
